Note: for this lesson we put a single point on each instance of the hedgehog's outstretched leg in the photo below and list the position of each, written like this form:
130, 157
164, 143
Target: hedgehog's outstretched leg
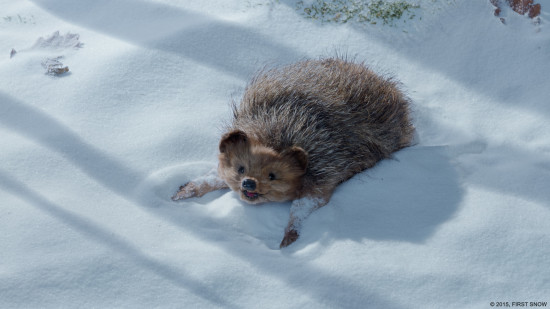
200, 186
300, 210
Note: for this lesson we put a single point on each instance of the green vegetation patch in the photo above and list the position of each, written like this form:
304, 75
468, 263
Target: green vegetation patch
343, 11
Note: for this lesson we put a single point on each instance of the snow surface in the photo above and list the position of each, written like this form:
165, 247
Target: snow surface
90, 159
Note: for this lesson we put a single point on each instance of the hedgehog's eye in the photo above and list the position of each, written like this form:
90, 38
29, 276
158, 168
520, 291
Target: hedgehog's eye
271, 176
241, 170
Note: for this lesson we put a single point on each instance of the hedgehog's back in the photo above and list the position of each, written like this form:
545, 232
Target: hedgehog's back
344, 115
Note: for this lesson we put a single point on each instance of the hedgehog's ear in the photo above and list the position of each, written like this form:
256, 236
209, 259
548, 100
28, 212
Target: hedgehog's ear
298, 155
236, 138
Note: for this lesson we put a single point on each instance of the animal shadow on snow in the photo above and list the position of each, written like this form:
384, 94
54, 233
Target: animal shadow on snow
404, 199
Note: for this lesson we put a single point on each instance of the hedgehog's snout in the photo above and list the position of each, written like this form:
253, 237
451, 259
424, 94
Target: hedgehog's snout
249, 184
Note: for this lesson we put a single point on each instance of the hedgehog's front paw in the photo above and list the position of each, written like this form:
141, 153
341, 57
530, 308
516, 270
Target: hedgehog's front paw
186, 191
290, 237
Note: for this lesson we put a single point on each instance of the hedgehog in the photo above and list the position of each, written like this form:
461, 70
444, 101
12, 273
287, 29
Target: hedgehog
301, 130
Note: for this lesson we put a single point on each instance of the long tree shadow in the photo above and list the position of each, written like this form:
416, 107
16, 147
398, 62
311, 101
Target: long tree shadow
122, 180
177, 276
107, 171
478, 60
223, 45
47, 131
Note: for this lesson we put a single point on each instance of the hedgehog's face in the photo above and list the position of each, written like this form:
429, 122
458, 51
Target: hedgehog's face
258, 173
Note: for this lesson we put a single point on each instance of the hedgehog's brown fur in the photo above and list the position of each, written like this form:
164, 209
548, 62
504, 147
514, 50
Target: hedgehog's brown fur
302, 129
344, 116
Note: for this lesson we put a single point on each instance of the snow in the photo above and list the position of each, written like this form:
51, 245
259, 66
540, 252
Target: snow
90, 159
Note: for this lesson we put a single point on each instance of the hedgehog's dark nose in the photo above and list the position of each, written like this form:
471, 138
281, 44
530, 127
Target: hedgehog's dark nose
249, 184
